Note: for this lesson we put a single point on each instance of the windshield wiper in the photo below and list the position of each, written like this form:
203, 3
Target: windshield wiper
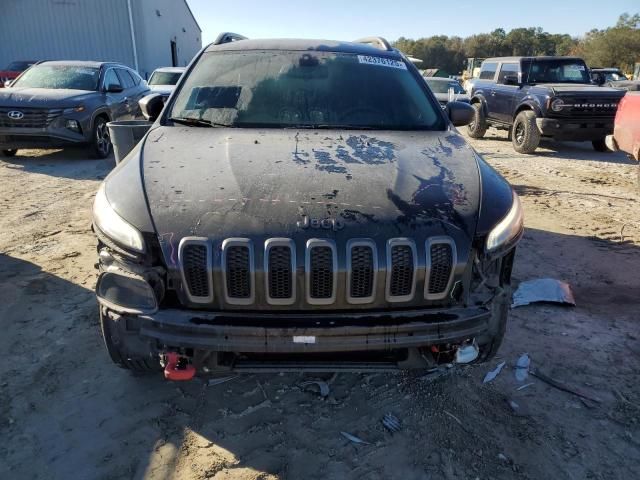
197, 122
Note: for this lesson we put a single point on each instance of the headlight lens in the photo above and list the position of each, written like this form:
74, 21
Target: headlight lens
126, 291
76, 109
557, 105
508, 228
114, 226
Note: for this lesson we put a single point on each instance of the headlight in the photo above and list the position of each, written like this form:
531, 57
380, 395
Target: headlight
76, 109
557, 105
126, 292
114, 226
508, 228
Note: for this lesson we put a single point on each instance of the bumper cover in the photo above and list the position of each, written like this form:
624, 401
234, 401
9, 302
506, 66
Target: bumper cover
11, 138
577, 129
298, 333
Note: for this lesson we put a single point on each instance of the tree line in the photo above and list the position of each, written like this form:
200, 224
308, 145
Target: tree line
617, 46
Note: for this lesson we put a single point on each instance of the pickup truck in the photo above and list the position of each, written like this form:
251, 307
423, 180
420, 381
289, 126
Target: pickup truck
626, 132
534, 97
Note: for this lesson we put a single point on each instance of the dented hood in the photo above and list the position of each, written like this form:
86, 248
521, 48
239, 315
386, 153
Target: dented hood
221, 183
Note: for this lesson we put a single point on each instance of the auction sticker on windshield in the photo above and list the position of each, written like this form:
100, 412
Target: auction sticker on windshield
381, 61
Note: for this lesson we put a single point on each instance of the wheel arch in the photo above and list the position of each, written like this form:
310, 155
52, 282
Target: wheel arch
527, 106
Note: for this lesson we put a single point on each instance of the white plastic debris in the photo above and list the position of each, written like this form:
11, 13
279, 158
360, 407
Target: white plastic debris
467, 353
493, 373
353, 438
543, 290
322, 386
522, 367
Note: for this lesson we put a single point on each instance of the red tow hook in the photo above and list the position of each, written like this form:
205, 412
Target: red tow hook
177, 368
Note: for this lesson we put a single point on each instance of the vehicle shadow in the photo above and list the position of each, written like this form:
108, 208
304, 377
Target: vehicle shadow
73, 163
72, 414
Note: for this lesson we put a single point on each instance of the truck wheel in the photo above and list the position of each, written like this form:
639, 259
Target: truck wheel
526, 136
9, 153
117, 352
478, 127
100, 141
600, 145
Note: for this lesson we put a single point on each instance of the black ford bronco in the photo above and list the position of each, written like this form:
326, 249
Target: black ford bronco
534, 97
303, 204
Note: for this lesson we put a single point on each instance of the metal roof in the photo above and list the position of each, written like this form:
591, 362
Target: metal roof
302, 45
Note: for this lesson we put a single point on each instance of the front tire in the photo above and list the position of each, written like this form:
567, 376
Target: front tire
478, 127
526, 136
10, 152
600, 145
116, 348
100, 140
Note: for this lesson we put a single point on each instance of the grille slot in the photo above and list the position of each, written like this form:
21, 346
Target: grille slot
401, 270
441, 261
362, 272
321, 269
280, 268
238, 272
195, 257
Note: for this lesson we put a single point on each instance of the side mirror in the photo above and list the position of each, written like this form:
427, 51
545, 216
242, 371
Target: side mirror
151, 106
511, 80
460, 113
114, 88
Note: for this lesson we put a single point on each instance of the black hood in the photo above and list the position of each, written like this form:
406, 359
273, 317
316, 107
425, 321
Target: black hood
42, 97
221, 183
581, 89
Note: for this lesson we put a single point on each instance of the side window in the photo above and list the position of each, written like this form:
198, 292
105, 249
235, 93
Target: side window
110, 78
135, 76
507, 69
488, 70
125, 78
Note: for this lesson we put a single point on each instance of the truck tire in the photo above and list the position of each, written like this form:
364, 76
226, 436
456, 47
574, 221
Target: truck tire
526, 136
117, 352
600, 145
478, 127
9, 153
100, 141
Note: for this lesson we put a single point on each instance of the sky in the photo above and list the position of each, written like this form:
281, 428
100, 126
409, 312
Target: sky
352, 19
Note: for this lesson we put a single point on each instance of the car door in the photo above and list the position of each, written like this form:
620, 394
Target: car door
503, 94
116, 100
130, 92
486, 84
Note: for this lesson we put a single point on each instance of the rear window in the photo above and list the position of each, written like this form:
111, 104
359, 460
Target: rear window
164, 78
507, 69
59, 77
306, 89
488, 70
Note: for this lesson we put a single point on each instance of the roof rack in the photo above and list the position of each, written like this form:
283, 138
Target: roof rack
377, 42
227, 37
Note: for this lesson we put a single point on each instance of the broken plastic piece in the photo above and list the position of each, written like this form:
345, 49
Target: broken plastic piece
353, 438
522, 367
493, 373
217, 381
177, 368
467, 353
323, 386
543, 290
391, 423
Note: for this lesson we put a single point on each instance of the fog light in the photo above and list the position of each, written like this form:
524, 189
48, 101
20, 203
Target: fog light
126, 293
73, 125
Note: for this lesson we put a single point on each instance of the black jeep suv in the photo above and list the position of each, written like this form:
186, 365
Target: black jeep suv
534, 97
303, 203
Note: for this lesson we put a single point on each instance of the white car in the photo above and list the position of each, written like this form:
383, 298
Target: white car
163, 80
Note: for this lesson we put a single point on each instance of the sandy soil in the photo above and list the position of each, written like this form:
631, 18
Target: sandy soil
67, 412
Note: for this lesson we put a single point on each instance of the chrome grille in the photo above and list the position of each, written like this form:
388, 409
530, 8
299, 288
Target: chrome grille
588, 107
280, 282
441, 266
194, 261
361, 284
238, 272
32, 117
402, 271
321, 272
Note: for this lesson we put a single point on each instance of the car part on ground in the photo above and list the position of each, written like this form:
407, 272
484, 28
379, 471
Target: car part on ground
61, 104
543, 290
537, 97
255, 230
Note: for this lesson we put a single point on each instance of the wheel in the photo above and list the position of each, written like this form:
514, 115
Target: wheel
526, 136
600, 145
500, 313
478, 127
9, 153
100, 143
117, 352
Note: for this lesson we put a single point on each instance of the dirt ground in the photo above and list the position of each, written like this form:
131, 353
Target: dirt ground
67, 412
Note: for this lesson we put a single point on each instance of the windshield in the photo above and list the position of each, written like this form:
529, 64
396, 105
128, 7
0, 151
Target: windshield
443, 86
164, 78
18, 66
305, 89
614, 76
59, 77
557, 71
